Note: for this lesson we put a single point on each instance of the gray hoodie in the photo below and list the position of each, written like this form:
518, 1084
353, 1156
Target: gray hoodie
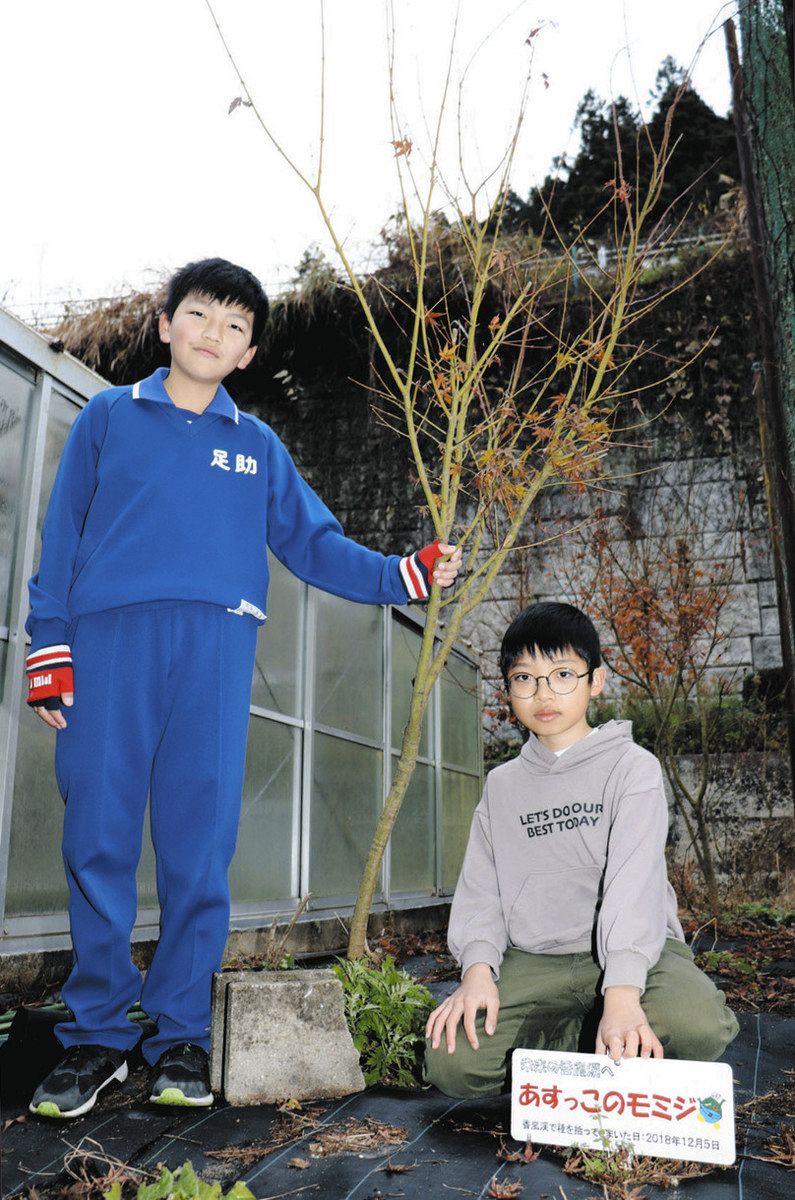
566, 854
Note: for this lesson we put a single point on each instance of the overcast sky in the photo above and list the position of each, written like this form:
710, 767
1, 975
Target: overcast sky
121, 160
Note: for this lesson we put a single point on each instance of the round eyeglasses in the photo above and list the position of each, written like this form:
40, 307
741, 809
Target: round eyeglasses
561, 681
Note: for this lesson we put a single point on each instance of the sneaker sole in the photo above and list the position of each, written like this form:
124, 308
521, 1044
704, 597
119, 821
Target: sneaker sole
48, 1108
173, 1095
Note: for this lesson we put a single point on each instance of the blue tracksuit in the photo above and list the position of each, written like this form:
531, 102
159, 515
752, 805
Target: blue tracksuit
153, 569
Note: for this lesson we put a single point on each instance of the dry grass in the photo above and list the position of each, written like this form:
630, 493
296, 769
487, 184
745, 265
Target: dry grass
295, 1122
781, 1149
113, 333
357, 1137
92, 1172
622, 1175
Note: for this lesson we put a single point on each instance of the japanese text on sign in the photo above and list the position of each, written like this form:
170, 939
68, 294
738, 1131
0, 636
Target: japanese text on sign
658, 1107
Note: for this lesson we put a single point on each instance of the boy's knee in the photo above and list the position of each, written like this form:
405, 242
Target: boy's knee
462, 1074
701, 1033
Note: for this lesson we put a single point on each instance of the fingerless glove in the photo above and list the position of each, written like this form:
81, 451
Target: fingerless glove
50, 674
416, 570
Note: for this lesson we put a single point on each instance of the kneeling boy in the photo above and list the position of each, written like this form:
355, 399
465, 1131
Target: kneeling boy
563, 920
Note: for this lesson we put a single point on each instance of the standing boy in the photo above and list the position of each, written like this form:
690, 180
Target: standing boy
563, 919
153, 579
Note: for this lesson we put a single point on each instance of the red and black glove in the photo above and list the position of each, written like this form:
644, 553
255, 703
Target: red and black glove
416, 570
50, 675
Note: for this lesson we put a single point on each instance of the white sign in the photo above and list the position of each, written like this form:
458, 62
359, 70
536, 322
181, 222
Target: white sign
666, 1108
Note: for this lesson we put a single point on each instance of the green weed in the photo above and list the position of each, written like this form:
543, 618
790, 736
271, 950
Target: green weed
386, 1012
761, 910
727, 960
182, 1184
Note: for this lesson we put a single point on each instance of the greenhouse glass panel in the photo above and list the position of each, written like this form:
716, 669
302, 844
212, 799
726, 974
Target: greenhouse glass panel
16, 397
349, 666
460, 714
413, 845
262, 866
146, 877
460, 795
405, 653
277, 670
346, 801
36, 883
61, 415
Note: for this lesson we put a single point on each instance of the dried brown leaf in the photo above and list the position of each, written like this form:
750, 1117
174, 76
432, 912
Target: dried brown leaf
391, 1168
300, 1164
504, 1191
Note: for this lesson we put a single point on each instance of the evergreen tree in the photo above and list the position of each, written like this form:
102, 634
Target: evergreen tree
574, 190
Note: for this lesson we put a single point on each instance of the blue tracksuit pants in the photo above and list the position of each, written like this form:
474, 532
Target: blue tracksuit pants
162, 694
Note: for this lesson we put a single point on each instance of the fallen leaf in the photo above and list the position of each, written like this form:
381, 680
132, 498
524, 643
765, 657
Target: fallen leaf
300, 1164
504, 1191
14, 1121
391, 1168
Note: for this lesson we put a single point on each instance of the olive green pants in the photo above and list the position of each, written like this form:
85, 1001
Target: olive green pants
551, 1002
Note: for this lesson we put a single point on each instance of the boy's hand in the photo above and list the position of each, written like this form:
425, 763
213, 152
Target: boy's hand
623, 1030
446, 569
478, 990
50, 683
425, 567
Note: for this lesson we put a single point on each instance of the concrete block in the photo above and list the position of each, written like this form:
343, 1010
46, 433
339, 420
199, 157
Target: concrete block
281, 1034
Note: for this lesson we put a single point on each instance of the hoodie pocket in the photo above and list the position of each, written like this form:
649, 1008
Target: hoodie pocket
555, 908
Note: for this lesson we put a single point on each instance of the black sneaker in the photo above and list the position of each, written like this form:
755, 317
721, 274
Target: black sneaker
72, 1087
182, 1076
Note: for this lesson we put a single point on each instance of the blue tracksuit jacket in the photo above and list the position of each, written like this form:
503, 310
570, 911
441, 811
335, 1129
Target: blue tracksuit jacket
151, 502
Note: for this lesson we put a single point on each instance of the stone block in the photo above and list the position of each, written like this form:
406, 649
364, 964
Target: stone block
686, 471
715, 507
771, 626
281, 1034
767, 652
758, 556
733, 652
740, 616
723, 546
767, 594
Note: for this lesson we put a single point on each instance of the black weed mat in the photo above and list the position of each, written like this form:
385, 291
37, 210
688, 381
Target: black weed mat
384, 1142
